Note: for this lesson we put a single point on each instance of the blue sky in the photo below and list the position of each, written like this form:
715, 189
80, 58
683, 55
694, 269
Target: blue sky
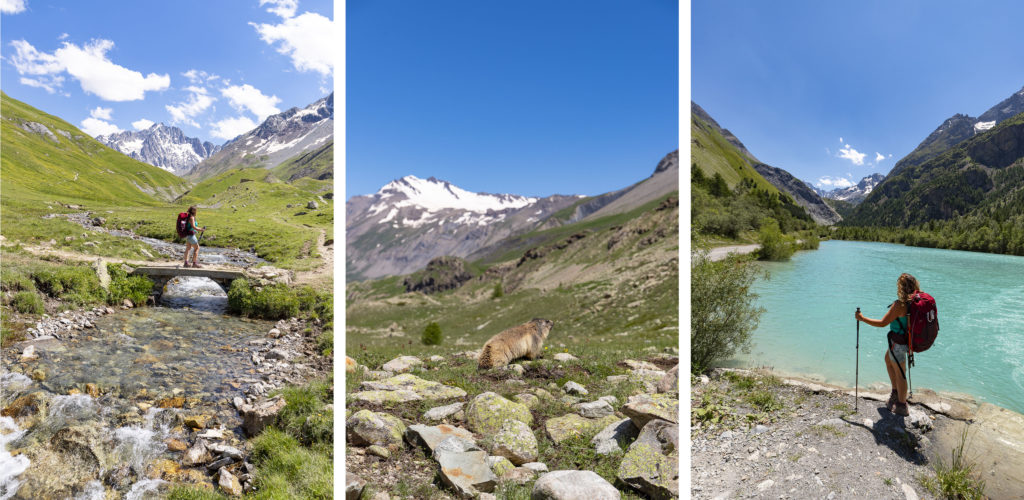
532, 97
215, 69
811, 86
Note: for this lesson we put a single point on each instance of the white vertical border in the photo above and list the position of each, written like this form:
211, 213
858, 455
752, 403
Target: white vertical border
684, 243
339, 245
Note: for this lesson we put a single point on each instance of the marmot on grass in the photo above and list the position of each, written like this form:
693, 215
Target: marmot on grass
525, 340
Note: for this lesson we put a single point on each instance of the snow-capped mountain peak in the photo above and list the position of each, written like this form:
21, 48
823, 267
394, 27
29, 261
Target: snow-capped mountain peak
434, 195
161, 146
853, 194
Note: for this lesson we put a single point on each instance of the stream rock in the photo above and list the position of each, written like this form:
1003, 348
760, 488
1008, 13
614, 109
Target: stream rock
573, 485
258, 416
197, 454
228, 483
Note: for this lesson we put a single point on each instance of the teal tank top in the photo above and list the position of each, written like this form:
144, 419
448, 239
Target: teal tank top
899, 326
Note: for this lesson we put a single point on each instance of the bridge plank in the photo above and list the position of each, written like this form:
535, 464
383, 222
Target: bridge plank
187, 271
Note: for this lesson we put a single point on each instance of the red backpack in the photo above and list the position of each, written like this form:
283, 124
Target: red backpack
182, 226
922, 322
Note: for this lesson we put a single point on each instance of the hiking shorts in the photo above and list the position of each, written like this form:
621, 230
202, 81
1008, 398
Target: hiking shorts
900, 350
192, 240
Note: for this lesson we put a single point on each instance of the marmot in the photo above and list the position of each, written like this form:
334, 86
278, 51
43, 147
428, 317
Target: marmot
526, 340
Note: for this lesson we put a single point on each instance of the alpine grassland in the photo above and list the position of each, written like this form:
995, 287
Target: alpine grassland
610, 287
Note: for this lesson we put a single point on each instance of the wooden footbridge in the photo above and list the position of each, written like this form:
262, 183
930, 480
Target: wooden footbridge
161, 275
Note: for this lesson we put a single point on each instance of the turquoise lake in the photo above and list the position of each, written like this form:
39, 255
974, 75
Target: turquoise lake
808, 328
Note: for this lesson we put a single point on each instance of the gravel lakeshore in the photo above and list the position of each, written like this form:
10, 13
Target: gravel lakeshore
756, 435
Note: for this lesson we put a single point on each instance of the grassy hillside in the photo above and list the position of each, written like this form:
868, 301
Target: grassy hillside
46, 158
316, 164
49, 166
713, 154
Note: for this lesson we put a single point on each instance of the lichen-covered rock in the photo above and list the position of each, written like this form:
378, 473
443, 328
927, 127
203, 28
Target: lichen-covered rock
516, 442
467, 472
443, 412
366, 428
529, 400
573, 485
615, 437
500, 465
670, 382
649, 379
385, 397
457, 445
574, 388
486, 413
652, 463
379, 451
430, 436
645, 407
426, 389
594, 409
561, 428
401, 364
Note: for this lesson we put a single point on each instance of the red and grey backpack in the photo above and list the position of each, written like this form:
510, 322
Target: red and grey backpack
182, 226
922, 322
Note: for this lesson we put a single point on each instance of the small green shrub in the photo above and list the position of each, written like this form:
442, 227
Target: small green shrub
76, 284
432, 334
958, 480
272, 302
133, 288
498, 292
774, 245
764, 401
304, 416
28, 303
15, 281
325, 342
724, 311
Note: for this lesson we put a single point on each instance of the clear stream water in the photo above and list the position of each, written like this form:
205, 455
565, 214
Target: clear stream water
138, 356
808, 328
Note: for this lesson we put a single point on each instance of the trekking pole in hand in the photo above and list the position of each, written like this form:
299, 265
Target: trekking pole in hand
856, 380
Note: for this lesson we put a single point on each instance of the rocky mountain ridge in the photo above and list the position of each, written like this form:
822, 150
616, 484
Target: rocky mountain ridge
853, 194
959, 128
161, 146
279, 138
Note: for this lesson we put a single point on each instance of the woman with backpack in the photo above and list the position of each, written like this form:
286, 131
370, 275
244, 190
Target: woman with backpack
896, 355
191, 242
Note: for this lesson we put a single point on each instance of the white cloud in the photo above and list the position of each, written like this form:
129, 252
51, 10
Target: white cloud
283, 8
247, 97
232, 127
29, 61
142, 124
196, 76
840, 139
834, 182
852, 154
101, 113
308, 39
50, 85
63, 36
98, 75
89, 65
97, 127
197, 102
879, 157
16, 6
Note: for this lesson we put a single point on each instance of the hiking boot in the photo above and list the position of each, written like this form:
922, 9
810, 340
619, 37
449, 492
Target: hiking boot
893, 399
901, 409
196, 265
186, 265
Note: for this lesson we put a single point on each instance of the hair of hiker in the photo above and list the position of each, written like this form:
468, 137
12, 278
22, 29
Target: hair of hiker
192, 211
906, 285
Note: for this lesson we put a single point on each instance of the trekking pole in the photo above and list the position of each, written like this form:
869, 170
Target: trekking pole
856, 380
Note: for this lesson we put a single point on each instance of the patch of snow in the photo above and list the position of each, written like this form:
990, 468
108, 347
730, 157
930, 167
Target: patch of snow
982, 126
391, 215
434, 195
